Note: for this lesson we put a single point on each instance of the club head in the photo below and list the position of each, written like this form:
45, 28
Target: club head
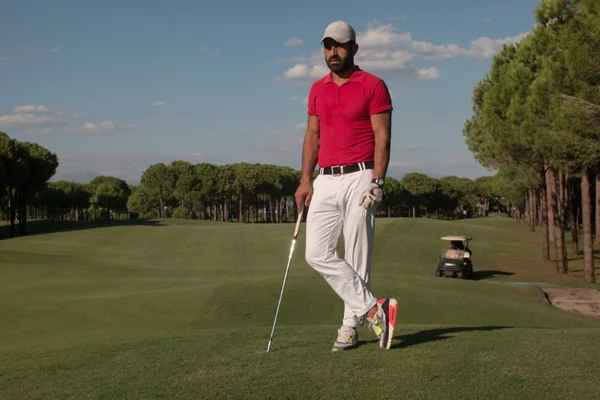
259, 351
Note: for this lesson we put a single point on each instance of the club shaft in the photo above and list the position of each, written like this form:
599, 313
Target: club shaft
281, 293
287, 268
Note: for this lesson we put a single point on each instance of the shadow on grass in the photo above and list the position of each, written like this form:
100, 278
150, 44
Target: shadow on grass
37, 227
433, 335
479, 275
579, 255
596, 270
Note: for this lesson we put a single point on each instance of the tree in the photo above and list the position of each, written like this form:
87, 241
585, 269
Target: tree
395, 198
139, 203
208, 176
27, 167
109, 194
463, 190
41, 164
572, 66
187, 188
158, 182
538, 110
423, 190
65, 200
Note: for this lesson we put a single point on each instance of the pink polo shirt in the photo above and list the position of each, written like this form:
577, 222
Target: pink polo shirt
345, 113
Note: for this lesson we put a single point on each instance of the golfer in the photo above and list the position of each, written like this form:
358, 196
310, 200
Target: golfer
348, 136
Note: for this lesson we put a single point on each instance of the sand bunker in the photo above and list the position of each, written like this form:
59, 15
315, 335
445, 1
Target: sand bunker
576, 300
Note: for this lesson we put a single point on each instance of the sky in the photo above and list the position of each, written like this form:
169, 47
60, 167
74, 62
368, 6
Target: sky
112, 87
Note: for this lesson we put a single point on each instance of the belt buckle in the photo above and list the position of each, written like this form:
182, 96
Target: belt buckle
340, 167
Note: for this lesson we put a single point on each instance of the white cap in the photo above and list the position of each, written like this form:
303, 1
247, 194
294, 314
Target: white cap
340, 31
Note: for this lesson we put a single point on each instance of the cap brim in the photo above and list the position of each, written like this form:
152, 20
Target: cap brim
342, 41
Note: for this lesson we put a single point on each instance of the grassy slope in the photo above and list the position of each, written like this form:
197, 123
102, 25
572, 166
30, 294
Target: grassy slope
173, 311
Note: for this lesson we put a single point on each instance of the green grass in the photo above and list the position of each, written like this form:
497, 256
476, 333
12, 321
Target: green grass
173, 310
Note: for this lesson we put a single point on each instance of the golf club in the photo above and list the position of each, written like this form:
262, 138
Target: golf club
298, 222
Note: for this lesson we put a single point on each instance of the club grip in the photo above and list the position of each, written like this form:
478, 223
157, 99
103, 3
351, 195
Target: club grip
298, 222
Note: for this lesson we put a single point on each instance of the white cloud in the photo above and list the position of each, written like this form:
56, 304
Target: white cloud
28, 119
378, 60
28, 116
106, 126
391, 54
429, 73
485, 48
39, 119
305, 71
30, 109
488, 19
54, 50
159, 103
379, 36
293, 42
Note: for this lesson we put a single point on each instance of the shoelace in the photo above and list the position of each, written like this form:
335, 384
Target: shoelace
375, 326
345, 335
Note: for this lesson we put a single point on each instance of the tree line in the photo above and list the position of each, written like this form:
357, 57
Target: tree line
240, 192
536, 121
244, 192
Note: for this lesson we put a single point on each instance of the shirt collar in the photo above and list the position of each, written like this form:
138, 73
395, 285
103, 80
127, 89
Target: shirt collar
357, 76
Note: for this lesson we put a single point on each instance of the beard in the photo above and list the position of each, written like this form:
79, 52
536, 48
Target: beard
344, 64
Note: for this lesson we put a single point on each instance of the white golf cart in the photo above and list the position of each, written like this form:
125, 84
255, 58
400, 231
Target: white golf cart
455, 257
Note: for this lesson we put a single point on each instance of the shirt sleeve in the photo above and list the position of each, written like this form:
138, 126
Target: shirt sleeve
312, 101
380, 98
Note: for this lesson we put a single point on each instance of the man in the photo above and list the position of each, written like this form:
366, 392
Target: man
459, 245
348, 136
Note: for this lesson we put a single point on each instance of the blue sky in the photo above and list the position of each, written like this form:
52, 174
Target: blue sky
114, 86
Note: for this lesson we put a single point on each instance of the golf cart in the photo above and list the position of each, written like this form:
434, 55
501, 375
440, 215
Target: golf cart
455, 257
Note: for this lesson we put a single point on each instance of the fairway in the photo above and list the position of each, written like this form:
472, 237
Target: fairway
173, 309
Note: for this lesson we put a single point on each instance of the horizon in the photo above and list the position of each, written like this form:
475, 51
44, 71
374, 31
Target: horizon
87, 176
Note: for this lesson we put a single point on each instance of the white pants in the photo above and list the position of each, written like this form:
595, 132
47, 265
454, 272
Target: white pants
334, 209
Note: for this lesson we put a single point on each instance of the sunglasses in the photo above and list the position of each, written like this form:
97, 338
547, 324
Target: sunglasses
329, 44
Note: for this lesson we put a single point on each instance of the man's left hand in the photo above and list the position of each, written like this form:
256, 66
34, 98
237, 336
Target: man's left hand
372, 195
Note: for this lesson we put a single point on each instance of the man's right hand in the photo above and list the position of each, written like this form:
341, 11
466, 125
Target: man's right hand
303, 195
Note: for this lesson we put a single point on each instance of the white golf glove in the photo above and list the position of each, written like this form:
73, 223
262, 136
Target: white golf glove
372, 195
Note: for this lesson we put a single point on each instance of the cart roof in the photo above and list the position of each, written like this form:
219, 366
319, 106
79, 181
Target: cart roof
456, 237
